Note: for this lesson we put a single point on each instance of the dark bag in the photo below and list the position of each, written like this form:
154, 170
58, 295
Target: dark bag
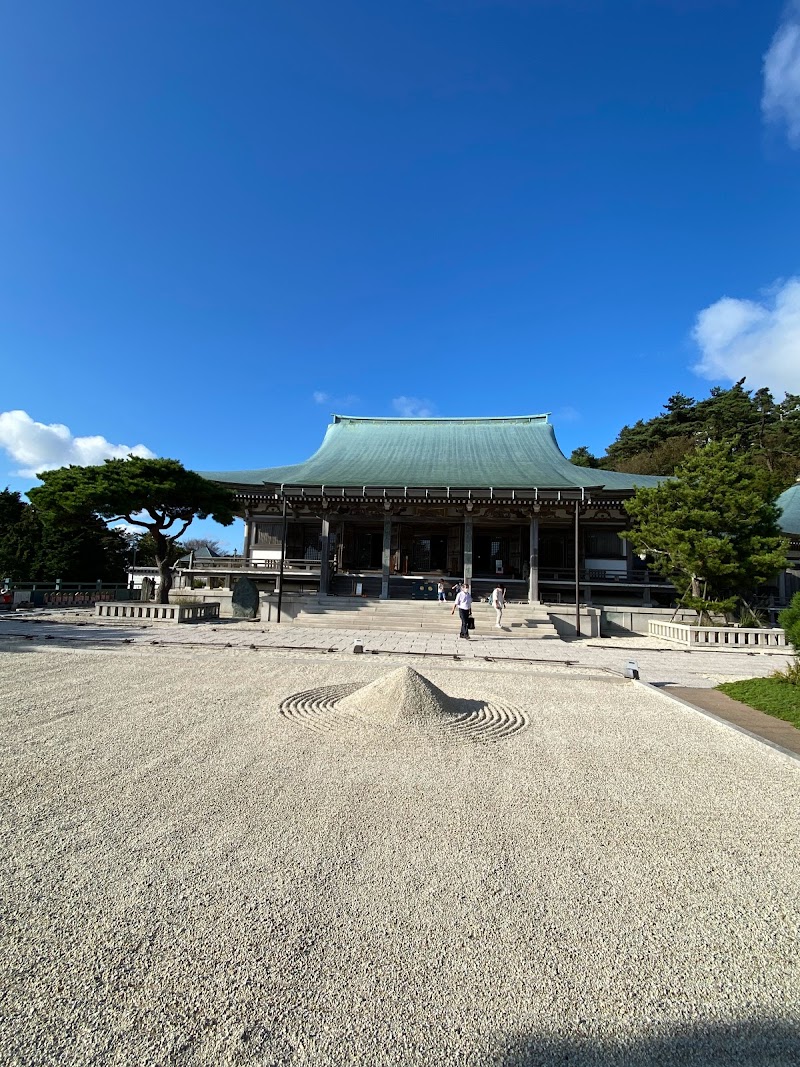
471, 622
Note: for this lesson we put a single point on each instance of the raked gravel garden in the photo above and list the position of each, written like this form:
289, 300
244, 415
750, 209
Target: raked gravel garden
198, 869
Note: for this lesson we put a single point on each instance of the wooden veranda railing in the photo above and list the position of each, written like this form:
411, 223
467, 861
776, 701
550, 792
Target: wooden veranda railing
235, 563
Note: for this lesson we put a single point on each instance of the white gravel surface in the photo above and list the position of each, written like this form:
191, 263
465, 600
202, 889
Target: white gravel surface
190, 877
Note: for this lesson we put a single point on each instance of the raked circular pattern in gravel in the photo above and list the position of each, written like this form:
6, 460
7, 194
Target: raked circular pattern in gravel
188, 878
408, 706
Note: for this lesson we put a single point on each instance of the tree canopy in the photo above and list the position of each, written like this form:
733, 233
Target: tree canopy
158, 495
710, 528
582, 457
38, 547
753, 422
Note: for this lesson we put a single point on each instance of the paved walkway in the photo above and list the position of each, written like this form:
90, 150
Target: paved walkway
776, 731
658, 663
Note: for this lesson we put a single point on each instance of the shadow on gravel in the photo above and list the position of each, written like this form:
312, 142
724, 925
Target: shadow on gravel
30, 638
747, 1043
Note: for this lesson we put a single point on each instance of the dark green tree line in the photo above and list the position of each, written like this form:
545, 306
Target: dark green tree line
751, 423
38, 548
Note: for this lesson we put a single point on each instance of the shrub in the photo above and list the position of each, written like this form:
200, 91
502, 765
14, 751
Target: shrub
789, 619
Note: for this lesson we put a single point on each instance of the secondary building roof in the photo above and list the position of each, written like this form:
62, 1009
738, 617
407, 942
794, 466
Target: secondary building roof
509, 453
789, 503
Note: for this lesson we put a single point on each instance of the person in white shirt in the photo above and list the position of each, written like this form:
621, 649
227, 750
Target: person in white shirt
464, 605
498, 603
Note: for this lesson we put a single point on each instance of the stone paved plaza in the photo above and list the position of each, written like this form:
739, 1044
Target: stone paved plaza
658, 662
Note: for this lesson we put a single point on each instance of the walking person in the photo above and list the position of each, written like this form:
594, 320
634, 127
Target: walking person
441, 591
498, 603
464, 604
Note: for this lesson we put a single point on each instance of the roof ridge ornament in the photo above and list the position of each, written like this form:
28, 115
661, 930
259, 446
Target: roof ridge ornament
543, 417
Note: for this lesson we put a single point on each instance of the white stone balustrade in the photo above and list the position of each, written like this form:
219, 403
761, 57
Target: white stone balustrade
702, 636
160, 612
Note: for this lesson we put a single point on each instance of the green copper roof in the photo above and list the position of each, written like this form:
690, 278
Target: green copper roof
511, 453
789, 504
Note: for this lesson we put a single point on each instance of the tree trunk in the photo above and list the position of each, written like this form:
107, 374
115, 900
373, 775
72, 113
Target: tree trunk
164, 568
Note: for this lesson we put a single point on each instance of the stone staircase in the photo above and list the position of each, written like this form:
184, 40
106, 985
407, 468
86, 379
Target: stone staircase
424, 616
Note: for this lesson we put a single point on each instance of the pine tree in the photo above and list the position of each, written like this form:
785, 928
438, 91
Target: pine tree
710, 529
20, 537
582, 457
158, 495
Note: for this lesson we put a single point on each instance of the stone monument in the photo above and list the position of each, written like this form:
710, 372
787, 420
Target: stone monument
148, 586
245, 601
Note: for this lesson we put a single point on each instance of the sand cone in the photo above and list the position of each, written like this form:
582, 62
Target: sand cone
402, 696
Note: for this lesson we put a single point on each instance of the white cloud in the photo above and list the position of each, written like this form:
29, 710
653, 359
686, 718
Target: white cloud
759, 341
339, 403
567, 414
127, 528
411, 407
780, 101
38, 446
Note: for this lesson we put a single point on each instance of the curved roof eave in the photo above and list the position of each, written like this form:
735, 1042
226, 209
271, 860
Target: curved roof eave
503, 453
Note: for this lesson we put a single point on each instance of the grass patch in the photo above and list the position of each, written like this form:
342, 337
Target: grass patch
775, 696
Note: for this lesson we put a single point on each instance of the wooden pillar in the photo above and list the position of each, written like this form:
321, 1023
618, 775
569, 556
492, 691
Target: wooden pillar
284, 522
577, 569
386, 557
533, 562
325, 558
468, 548
248, 533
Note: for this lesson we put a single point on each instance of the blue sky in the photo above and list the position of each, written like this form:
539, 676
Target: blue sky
221, 222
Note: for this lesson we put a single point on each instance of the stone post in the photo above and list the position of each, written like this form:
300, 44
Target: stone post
533, 575
468, 549
386, 556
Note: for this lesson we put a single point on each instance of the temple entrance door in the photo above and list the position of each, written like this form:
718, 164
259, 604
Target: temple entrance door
429, 553
368, 548
481, 554
496, 553
556, 550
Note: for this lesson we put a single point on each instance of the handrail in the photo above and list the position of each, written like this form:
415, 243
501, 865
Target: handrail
229, 563
589, 575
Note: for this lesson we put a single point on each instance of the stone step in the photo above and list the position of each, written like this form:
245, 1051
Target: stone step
406, 626
528, 620
412, 606
478, 610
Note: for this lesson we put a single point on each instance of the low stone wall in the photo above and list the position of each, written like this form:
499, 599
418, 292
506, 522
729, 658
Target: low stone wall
563, 620
618, 620
732, 636
160, 612
291, 606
